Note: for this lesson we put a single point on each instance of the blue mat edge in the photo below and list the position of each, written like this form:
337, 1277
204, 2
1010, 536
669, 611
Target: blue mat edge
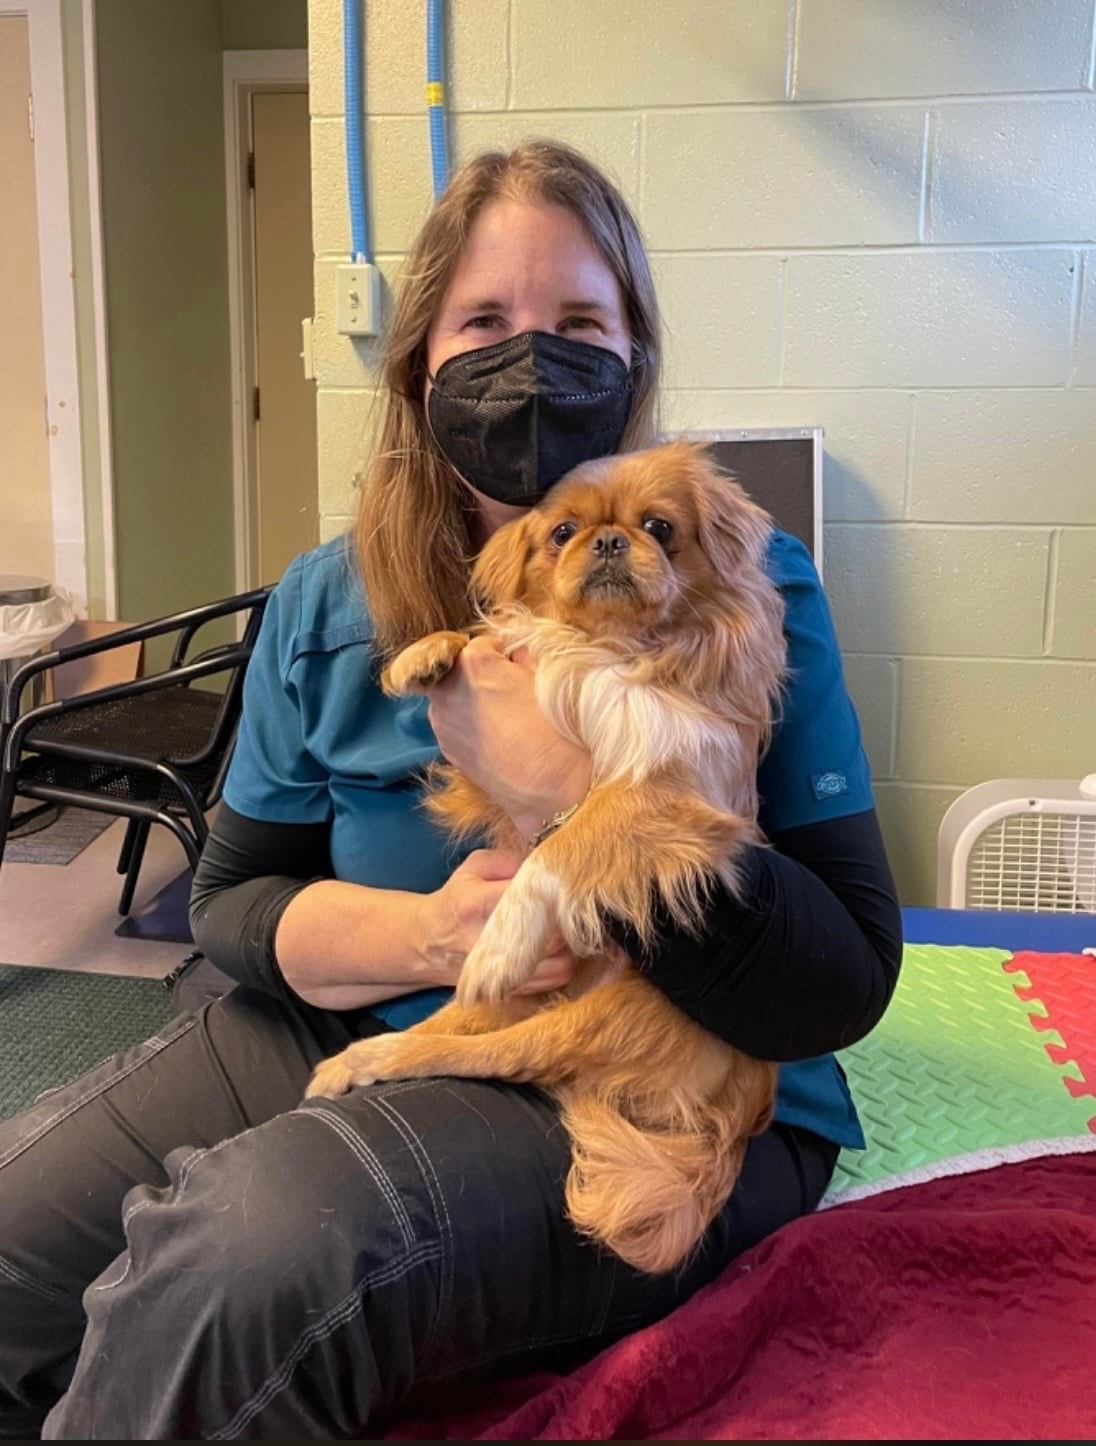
980, 929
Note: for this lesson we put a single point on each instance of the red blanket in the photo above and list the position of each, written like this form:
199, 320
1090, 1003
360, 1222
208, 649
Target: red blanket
962, 1308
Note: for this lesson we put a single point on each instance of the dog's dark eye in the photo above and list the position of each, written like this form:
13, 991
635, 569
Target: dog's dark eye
563, 533
660, 529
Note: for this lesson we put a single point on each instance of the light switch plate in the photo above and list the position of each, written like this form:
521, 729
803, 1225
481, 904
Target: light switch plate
307, 353
358, 300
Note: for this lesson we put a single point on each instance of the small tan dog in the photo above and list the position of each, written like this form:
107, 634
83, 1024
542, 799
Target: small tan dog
638, 589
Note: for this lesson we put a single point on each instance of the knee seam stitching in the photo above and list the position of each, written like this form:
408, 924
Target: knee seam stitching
18, 1276
21, 1146
366, 1157
185, 1170
339, 1314
180, 1184
113, 1284
433, 1184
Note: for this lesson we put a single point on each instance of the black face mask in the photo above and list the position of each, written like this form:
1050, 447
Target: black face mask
514, 417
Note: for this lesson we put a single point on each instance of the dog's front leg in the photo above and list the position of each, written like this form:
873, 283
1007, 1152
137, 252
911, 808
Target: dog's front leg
516, 937
626, 849
423, 663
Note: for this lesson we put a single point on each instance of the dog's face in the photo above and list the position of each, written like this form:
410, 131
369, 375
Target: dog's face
626, 543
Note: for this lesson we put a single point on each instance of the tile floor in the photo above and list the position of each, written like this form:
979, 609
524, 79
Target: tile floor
63, 916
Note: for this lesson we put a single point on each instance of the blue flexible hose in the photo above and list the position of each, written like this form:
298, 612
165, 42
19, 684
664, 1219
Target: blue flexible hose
435, 94
355, 125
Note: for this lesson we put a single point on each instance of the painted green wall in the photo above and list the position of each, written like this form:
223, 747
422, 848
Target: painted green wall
165, 249
880, 219
265, 24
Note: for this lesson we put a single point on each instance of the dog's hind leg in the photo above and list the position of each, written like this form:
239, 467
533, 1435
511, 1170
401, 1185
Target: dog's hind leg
522, 1052
546, 1048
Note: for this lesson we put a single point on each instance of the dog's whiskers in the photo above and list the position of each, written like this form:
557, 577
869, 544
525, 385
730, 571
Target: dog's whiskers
685, 595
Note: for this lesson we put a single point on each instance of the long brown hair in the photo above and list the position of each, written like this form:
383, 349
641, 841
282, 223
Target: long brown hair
412, 533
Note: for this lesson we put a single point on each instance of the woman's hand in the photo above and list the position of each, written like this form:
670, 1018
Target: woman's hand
456, 913
488, 724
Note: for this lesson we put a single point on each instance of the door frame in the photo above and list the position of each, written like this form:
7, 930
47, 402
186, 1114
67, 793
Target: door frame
245, 73
62, 400
100, 336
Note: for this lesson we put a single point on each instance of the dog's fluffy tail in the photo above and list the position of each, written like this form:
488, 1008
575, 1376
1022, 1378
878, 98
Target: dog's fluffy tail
648, 1195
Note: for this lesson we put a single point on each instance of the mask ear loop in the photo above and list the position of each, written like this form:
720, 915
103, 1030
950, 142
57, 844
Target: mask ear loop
468, 505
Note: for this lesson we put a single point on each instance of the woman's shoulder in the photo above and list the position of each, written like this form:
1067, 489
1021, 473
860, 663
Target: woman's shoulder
322, 598
808, 623
789, 564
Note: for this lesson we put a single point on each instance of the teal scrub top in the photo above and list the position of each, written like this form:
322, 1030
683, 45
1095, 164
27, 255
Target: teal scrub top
320, 742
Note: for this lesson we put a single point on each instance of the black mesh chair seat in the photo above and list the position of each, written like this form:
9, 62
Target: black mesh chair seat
174, 724
154, 750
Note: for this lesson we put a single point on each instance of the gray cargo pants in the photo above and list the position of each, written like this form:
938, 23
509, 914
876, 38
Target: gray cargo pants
187, 1252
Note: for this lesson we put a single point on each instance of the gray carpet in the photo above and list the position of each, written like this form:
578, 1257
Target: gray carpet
55, 1025
67, 836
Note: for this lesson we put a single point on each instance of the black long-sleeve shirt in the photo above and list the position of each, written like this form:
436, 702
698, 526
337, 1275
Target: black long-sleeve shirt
803, 964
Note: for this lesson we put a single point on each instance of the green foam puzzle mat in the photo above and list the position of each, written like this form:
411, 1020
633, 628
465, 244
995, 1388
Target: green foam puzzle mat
957, 1067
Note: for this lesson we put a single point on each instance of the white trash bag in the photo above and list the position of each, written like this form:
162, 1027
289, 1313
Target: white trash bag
28, 627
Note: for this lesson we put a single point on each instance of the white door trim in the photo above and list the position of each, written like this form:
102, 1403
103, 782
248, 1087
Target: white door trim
99, 312
51, 177
246, 71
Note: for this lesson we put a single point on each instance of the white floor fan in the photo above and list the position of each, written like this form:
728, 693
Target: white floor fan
1020, 844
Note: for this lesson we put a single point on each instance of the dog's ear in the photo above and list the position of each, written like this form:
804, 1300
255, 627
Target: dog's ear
499, 572
734, 532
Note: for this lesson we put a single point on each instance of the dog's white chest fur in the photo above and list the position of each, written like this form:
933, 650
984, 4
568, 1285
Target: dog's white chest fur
612, 703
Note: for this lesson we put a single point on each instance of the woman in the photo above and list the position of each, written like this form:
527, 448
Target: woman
257, 1268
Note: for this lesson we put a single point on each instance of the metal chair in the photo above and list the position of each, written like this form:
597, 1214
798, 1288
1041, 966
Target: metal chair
154, 750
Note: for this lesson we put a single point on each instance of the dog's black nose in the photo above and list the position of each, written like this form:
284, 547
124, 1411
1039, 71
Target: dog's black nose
610, 544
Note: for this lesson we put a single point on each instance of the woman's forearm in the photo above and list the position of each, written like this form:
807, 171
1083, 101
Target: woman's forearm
263, 908
343, 946
806, 960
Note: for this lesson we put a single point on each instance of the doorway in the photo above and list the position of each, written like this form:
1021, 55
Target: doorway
41, 522
270, 279
26, 513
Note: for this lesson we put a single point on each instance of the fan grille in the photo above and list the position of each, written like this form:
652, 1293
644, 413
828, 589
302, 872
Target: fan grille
1035, 862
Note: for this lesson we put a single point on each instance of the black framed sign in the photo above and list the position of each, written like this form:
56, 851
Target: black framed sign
781, 469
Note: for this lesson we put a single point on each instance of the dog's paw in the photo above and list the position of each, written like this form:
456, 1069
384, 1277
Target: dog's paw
490, 976
422, 664
362, 1063
330, 1079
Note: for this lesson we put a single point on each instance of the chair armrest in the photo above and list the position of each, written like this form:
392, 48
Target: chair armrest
169, 678
222, 650
187, 636
190, 621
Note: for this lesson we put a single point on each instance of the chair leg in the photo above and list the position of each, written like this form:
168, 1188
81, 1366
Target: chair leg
7, 803
127, 845
134, 860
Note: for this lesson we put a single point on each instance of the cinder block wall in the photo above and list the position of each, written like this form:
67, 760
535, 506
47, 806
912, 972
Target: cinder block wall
876, 215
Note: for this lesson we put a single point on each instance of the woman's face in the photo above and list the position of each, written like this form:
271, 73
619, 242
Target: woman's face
526, 268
